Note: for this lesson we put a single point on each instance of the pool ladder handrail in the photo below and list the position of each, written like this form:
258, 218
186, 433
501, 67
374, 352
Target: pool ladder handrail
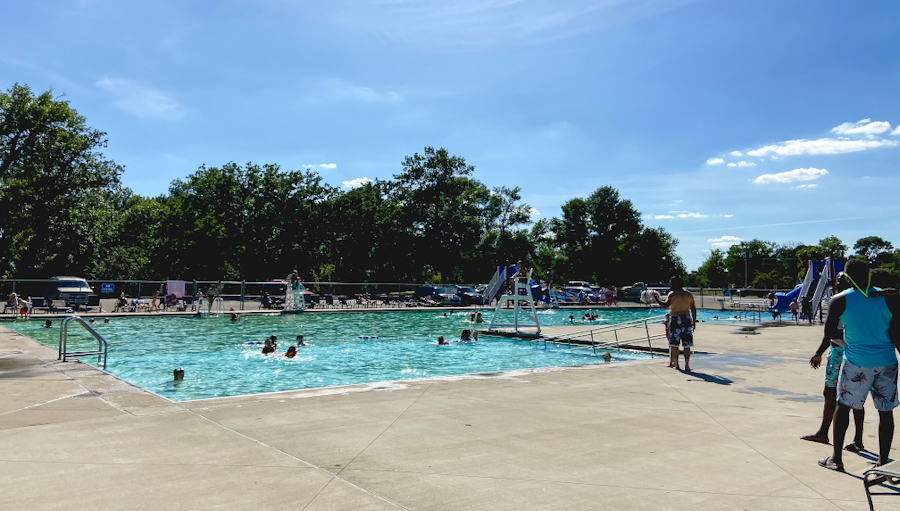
569, 339
64, 353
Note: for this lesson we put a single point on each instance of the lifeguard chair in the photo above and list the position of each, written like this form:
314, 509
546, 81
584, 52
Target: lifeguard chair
524, 313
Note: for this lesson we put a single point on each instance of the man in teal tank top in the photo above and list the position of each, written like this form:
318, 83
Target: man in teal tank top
871, 323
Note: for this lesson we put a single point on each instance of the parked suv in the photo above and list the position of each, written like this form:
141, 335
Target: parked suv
72, 290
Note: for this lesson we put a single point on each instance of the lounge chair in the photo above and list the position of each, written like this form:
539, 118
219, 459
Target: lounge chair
37, 302
889, 473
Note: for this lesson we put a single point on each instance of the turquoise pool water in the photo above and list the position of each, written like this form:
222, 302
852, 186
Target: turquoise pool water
221, 358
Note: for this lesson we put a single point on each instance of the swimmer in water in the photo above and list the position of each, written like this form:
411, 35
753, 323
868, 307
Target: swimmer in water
47, 324
441, 341
465, 336
178, 376
300, 341
235, 318
291, 352
106, 320
478, 318
274, 340
268, 348
571, 318
607, 357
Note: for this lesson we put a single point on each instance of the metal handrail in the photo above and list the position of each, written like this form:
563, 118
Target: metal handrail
101, 352
570, 339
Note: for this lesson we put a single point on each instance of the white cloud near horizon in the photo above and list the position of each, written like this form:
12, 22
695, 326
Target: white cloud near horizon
715, 161
724, 241
807, 186
341, 91
686, 214
865, 127
791, 176
896, 131
141, 101
742, 164
321, 165
820, 146
356, 183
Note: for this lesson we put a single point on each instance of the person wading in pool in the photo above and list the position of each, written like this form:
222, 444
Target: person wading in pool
682, 322
871, 337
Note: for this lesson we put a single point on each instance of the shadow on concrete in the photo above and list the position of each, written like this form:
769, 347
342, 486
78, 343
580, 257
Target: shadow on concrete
710, 378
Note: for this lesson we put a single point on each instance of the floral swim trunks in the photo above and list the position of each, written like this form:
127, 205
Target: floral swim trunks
833, 366
681, 332
856, 382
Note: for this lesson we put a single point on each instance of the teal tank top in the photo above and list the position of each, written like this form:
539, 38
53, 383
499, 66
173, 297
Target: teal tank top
866, 321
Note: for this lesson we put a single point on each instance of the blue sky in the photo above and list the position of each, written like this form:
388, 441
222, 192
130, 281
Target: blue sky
720, 120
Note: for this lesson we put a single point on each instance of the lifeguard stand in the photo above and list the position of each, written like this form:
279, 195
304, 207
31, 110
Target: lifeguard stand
294, 300
524, 313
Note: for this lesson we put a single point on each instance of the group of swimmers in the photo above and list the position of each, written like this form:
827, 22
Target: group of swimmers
590, 316
271, 345
466, 336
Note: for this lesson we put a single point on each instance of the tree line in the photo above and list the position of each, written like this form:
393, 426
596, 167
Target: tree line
63, 210
767, 265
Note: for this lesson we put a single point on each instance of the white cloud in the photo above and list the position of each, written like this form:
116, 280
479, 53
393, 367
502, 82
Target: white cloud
724, 241
688, 214
728, 215
864, 127
356, 183
141, 101
534, 211
662, 217
336, 91
896, 131
807, 186
820, 146
742, 164
328, 165
715, 161
791, 176
737, 154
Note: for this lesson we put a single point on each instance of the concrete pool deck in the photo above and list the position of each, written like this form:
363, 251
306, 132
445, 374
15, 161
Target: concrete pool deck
619, 436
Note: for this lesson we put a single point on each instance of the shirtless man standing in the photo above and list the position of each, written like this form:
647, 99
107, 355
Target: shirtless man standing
682, 322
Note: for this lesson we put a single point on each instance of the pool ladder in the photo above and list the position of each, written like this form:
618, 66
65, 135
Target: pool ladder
102, 345
585, 339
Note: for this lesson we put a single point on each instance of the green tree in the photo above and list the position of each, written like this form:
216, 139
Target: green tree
871, 247
442, 209
746, 259
57, 190
713, 272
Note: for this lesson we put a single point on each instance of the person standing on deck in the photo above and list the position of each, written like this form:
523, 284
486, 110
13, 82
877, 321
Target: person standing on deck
871, 336
682, 322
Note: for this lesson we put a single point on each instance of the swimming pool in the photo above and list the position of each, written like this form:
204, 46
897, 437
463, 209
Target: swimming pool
222, 358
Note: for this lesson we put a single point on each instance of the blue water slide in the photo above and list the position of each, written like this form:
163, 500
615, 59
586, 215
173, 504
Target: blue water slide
783, 300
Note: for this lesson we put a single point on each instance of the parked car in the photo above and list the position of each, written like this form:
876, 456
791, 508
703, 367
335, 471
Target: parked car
639, 287
448, 296
470, 296
423, 291
72, 290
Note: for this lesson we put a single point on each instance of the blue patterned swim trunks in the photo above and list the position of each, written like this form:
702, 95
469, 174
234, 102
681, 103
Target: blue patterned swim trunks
681, 332
833, 366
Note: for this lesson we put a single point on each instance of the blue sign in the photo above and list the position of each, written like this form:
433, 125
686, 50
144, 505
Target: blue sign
107, 288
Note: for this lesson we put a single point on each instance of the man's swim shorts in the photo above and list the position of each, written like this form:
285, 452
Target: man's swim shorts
856, 382
833, 366
681, 332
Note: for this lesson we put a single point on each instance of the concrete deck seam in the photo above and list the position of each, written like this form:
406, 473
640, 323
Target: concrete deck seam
44, 403
332, 475
738, 438
597, 485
